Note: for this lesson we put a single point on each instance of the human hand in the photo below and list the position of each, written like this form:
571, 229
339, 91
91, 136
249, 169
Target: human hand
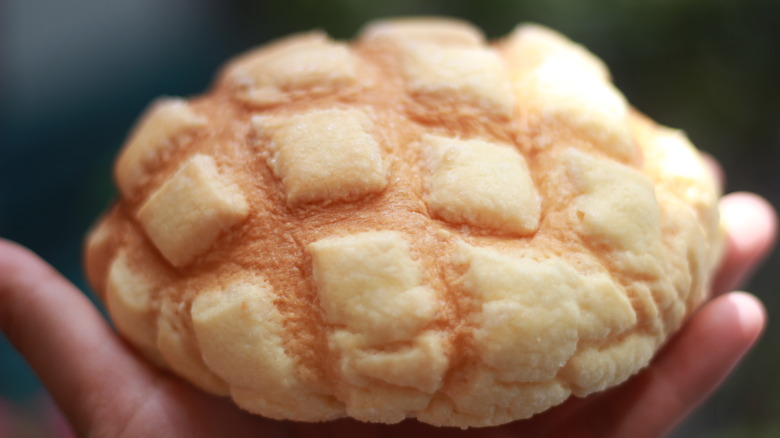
106, 390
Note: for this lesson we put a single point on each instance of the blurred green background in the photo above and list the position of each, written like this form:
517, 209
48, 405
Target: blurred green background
76, 74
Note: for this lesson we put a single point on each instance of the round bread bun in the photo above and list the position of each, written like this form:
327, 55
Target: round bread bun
417, 223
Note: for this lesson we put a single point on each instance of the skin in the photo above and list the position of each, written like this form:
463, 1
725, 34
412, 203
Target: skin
106, 390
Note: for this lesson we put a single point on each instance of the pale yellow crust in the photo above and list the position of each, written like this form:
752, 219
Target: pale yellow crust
418, 223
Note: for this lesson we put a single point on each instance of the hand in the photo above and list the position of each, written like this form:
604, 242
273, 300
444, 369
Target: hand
106, 390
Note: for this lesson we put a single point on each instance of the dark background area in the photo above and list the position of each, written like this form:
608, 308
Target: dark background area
75, 75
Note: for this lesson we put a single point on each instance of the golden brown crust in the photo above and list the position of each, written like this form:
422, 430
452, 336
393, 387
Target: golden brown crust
416, 224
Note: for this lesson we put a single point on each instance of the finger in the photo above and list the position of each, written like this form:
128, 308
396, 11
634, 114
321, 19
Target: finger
64, 338
686, 371
751, 225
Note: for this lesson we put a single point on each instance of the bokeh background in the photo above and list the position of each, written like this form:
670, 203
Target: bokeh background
75, 75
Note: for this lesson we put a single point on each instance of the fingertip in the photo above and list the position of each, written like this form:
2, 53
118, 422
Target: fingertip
751, 226
748, 314
751, 221
728, 327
